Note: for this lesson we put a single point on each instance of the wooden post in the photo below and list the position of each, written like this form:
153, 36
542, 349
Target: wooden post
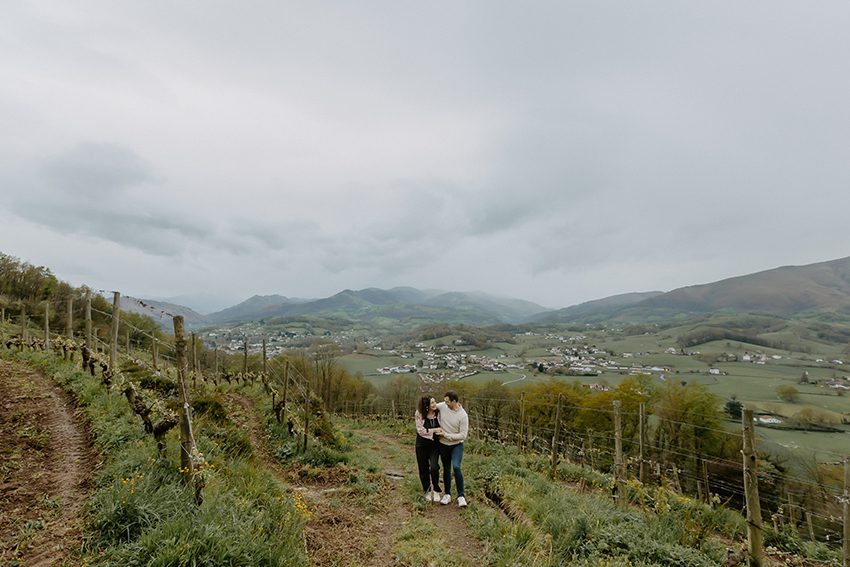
265, 377
792, 518
69, 326
810, 524
193, 361
642, 471
245, 357
154, 352
89, 342
69, 322
306, 417
556, 436
677, 484
846, 538
590, 455
24, 334
116, 316
194, 366
619, 466
751, 493
46, 326
521, 421
285, 385
186, 441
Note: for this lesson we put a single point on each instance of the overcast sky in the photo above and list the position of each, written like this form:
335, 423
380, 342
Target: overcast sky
553, 151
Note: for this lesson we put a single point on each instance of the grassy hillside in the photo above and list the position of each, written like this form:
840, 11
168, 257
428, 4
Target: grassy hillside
595, 311
141, 513
353, 497
253, 308
782, 291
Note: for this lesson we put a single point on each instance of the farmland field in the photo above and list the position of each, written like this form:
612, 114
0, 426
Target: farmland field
754, 384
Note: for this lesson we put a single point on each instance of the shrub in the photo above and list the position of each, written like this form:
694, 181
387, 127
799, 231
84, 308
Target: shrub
319, 456
788, 393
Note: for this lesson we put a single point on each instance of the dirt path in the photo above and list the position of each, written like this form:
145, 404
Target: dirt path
46, 461
337, 532
346, 527
246, 417
399, 456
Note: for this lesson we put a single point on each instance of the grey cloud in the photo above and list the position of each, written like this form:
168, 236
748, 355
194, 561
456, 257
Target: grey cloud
96, 190
154, 232
572, 136
287, 234
366, 253
95, 171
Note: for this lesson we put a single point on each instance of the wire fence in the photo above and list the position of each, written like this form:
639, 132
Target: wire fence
812, 506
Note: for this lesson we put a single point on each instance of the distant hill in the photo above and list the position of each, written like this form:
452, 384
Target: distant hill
821, 289
401, 303
785, 291
154, 309
201, 301
506, 309
253, 308
596, 310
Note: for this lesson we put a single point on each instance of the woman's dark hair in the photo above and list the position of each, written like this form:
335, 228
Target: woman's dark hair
424, 405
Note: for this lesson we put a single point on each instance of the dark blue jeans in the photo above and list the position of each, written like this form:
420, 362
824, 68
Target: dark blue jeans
451, 457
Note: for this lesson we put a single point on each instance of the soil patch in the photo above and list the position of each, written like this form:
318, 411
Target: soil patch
338, 531
449, 518
46, 460
348, 527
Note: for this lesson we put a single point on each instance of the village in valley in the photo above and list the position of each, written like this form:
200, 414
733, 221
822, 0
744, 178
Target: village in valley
589, 358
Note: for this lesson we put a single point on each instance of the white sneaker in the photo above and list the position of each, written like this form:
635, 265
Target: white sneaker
435, 496
461, 501
429, 496
446, 499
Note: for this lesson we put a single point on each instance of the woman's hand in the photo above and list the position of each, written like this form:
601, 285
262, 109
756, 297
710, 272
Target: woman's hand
437, 431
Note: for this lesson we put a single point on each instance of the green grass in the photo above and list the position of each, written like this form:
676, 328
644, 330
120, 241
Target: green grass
421, 543
140, 511
526, 518
558, 524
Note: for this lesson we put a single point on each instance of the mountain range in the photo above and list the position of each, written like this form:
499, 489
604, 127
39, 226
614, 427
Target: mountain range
821, 288
396, 303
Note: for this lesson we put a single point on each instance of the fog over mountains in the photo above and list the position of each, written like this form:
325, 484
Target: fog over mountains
785, 291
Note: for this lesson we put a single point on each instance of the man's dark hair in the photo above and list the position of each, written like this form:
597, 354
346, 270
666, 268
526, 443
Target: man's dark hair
452, 395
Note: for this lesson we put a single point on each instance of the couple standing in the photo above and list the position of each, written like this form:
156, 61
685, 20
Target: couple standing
440, 431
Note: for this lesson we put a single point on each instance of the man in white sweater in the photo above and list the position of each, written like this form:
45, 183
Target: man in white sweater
455, 425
